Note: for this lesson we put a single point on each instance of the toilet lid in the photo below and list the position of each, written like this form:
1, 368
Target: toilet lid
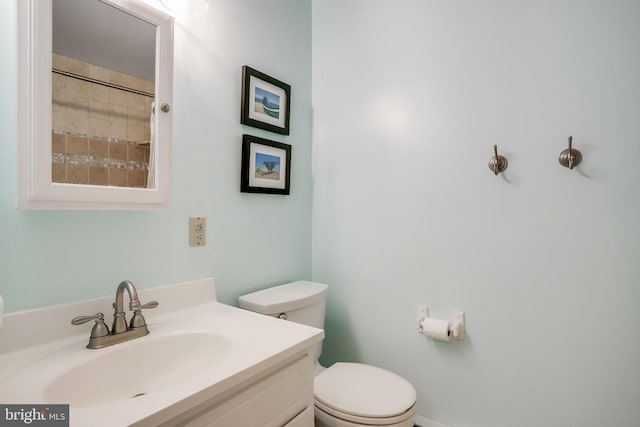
363, 390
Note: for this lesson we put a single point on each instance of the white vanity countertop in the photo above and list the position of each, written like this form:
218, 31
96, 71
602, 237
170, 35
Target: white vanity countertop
257, 343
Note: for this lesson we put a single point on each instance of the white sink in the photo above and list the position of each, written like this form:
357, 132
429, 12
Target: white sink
198, 350
136, 369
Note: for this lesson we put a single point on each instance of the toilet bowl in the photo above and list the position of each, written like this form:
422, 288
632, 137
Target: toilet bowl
346, 394
355, 394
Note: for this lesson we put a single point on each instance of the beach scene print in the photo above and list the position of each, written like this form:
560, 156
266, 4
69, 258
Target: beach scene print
267, 103
267, 167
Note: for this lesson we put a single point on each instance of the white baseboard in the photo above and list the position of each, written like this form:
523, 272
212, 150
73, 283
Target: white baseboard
426, 422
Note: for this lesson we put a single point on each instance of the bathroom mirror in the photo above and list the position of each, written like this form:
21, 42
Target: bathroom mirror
95, 93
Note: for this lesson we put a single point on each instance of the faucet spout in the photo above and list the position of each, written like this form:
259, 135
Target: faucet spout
119, 320
134, 302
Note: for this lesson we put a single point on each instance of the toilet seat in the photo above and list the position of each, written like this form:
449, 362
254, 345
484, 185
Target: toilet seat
321, 411
364, 394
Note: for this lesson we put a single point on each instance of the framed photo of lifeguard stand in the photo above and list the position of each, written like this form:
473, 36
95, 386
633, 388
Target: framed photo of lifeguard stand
266, 166
265, 102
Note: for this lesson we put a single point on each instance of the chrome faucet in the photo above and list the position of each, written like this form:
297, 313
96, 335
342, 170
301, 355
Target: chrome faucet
100, 334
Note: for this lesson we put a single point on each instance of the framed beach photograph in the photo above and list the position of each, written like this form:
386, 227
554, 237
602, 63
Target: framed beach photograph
266, 166
265, 102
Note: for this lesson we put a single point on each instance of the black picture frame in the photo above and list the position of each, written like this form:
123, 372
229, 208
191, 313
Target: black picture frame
262, 166
262, 103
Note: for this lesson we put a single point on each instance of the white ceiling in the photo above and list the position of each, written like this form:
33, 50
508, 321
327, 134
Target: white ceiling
103, 35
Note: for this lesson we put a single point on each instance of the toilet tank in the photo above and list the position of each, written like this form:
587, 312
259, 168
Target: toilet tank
302, 302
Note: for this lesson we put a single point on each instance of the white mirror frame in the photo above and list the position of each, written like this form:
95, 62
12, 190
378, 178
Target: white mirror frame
35, 187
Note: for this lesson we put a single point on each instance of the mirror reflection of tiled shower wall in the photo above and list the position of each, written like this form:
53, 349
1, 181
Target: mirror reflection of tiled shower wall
100, 134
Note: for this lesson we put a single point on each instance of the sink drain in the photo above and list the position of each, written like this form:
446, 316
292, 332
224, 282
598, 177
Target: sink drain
138, 395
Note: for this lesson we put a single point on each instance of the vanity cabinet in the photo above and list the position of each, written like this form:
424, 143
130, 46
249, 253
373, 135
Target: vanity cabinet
234, 369
280, 396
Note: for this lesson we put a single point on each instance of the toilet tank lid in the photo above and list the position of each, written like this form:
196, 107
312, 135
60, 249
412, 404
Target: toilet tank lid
283, 298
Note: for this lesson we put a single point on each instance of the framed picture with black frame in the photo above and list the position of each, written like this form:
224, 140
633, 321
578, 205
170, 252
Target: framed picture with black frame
266, 166
265, 102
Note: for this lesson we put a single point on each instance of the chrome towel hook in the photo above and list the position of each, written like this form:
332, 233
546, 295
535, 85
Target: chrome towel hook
497, 163
570, 157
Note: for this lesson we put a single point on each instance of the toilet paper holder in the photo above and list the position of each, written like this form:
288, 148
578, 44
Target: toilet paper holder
456, 325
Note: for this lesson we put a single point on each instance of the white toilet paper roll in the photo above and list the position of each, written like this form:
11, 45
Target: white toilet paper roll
435, 328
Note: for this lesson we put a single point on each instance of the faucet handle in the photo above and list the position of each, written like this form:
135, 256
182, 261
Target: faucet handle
99, 329
84, 319
152, 304
137, 320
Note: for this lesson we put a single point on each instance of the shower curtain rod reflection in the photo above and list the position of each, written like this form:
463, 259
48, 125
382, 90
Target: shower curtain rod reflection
100, 82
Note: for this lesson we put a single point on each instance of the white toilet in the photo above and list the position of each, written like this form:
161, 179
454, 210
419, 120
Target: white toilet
346, 394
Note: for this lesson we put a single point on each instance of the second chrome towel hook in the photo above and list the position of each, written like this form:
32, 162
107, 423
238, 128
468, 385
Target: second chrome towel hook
497, 163
570, 157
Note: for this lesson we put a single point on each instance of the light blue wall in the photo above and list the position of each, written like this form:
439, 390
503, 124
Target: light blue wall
253, 240
409, 98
